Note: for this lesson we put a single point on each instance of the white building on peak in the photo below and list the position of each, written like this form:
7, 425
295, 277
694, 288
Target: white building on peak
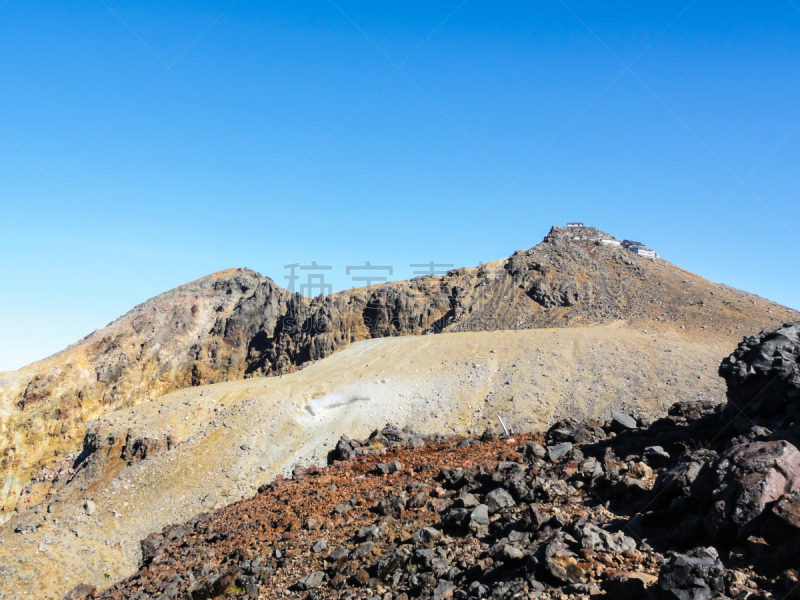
643, 251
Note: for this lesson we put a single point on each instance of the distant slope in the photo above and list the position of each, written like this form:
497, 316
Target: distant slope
237, 323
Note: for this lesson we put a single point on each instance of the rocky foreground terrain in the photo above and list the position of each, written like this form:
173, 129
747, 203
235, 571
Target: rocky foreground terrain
237, 324
703, 503
144, 467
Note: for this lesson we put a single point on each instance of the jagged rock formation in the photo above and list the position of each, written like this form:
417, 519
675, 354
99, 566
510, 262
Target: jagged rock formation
235, 324
763, 379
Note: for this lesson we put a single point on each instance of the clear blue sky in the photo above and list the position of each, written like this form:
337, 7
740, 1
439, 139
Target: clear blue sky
169, 127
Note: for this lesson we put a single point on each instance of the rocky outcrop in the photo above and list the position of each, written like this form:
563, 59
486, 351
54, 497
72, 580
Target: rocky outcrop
738, 487
763, 377
497, 521
236, 324
691, 578
463, 535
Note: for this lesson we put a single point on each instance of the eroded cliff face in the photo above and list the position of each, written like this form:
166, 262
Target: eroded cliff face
166, 343
237, 323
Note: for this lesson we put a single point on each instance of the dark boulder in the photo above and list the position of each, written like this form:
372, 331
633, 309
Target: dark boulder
690, 578
311, 581
532, 450
594, 538
559, 450
787, 510
150, 546
80, 592
344, 450
394, 507
677, 480
499, 499
621, 421
626, 585
763, 377
737, 487
563, 431
479, 519
391, 467
691, 410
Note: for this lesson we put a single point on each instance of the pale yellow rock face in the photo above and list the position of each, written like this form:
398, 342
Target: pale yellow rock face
445, 383
45, 406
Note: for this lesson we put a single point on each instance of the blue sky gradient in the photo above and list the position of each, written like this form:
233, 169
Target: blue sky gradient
402, 133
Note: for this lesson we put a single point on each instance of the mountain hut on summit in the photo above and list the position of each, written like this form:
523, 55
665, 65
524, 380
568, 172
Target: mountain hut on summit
629, 244
590, 234
639, 248
645, 252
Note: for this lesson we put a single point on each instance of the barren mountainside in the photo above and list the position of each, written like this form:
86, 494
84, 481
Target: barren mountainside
236, 324
162, 462
700, 504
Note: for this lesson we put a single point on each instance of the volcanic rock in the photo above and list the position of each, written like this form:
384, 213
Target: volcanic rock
623, 421
592, 537
559, 450
479, 519
787, 510
389, 468
742, 481
498, 499
311, 581
763, 379
80, 592
688, 578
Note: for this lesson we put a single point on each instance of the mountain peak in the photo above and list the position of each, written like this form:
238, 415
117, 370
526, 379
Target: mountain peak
577, 232
232, 272
236, 323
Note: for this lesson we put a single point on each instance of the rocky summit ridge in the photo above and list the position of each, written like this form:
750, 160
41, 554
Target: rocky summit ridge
701, 504
236, 324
